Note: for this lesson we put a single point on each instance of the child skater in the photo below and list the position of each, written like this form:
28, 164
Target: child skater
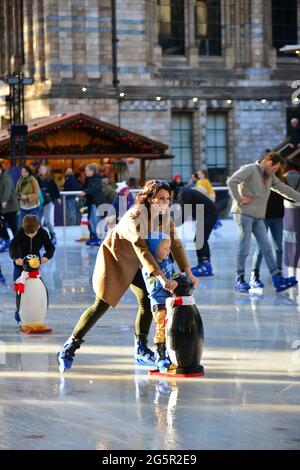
160, 247
29, 239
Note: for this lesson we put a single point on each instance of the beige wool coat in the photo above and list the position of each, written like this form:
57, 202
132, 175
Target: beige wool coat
122, 253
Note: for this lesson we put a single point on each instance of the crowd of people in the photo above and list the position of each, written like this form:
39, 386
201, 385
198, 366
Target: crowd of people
28, 206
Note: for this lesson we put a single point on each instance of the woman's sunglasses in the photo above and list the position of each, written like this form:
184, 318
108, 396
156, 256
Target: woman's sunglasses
161, 184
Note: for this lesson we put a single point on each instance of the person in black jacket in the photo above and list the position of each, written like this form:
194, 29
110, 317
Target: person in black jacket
274, 222
71, 184
8, 207
192, 197
29, 239
50, 193
92, 190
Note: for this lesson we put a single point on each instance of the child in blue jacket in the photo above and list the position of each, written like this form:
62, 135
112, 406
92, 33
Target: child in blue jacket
160, 247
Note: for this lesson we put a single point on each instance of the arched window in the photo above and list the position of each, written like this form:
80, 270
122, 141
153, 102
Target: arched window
284, 23
208, 27
170, 15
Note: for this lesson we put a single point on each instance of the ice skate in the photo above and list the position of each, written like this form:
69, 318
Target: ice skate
66, 354
143, 355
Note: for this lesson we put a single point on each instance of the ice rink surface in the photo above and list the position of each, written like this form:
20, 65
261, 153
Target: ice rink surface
248, 399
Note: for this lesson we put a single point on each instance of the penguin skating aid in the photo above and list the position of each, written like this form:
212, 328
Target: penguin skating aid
32, 297
184, 333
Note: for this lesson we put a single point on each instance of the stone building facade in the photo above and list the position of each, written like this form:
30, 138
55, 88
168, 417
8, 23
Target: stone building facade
204, 77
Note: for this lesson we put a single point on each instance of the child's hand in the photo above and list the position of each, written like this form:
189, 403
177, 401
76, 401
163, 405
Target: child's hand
19, 262
44, 260
169, 284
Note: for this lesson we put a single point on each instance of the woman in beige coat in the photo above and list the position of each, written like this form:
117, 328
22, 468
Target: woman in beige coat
118, 264
28, 191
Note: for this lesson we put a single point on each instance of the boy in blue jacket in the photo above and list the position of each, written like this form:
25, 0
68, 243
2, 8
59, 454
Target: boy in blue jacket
160, 248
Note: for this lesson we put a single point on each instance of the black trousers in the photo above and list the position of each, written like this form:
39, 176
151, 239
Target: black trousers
98, 309
10, 219
209, 222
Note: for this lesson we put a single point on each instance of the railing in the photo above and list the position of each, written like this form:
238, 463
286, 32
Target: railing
65, 194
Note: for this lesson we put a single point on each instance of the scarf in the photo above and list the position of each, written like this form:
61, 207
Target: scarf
19, 285
24, 184
173, 301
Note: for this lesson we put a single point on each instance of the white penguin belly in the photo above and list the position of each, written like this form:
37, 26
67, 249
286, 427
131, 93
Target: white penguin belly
33, 304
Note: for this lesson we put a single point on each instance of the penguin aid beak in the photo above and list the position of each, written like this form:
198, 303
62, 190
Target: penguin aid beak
34, 263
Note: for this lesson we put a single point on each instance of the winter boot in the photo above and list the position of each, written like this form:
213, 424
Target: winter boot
241, 285
66, 354
4, 246
162, 361
282, 283
203, 269
255, 281
143, 355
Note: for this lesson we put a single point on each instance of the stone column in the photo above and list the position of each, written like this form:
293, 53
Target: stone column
29, 68
51, 26
157, 50
192, 51
38, 38
257, 34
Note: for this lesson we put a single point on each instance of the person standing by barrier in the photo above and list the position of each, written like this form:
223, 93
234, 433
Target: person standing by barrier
94, 195
28, 191
50, 194
8, 207
71, 184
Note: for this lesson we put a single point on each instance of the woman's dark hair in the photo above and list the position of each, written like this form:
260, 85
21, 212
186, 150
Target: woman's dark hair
1, 167
148, 192
28, 169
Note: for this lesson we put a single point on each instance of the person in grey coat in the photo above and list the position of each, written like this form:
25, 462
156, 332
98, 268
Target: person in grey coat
8, 206
250, 188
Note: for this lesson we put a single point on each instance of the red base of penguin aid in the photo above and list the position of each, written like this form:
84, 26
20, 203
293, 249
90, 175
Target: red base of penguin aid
175, 373
34, 329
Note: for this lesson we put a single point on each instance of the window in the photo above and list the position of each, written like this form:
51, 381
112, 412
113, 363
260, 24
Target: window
217, 146
284, 24
208, 27
171, 26
182, 145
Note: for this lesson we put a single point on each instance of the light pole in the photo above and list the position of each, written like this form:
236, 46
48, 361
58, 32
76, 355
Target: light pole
18, 129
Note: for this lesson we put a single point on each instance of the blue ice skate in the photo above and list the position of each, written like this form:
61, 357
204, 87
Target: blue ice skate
4, 246
203, 269
282, 283
53, 239
218, 224
143, 355
162, 361
17, 317
66, 354
241, 285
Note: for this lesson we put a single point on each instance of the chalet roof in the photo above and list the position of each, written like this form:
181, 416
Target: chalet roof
106, 139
